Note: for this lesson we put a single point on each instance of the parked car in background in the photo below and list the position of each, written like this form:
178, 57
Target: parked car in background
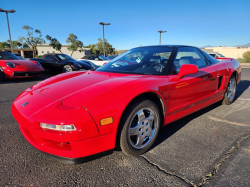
62, 63
111, 57
20, 56
13, 67
90, 63
216, 55
122, 104
98, 60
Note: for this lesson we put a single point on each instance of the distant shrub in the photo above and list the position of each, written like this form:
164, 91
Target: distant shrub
246, 56
242, 60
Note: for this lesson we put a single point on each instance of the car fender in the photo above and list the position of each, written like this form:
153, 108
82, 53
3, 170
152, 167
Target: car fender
112, 98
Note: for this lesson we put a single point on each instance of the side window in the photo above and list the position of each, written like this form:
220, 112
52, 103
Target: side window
189, 55
91, 58
49, 57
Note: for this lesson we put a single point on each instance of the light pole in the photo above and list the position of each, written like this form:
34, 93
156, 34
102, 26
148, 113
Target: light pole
160, 36
8, 11
101, 23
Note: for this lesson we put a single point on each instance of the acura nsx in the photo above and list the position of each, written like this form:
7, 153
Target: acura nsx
124, 103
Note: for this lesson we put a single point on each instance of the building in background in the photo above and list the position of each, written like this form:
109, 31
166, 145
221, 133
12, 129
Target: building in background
46, 48
27, 53
231, 52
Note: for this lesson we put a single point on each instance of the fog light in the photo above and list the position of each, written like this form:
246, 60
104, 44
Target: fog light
58, 127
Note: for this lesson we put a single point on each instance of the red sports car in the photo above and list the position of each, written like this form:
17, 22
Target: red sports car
122, 105
13, 67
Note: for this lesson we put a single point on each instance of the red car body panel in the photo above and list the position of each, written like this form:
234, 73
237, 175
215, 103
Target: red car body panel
25, 68
85, 98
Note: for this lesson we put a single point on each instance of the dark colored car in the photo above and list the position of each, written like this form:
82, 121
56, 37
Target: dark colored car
62, 63
111, 57
95, 57
20, 56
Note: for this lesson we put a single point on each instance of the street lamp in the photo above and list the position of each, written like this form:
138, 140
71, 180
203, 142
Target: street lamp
160, 36
101, 23
8, 11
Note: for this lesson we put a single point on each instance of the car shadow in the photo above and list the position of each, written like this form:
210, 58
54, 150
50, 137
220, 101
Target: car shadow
241, 87
170, 129
26, 79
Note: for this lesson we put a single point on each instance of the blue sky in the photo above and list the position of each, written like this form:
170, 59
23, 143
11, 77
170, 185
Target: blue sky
133, 22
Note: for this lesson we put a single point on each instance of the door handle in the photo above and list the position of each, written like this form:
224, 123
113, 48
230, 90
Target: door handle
205, 78
215, 69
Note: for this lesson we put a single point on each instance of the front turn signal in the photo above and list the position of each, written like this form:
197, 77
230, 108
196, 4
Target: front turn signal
106, 121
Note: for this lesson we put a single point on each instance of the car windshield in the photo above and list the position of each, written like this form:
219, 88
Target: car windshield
213, 55
102, 57
220, 55
111, 57
64, 57
144, 60
8, 56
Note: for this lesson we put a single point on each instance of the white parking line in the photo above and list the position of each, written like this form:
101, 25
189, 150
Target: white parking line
226, 121
243, 99
247, 150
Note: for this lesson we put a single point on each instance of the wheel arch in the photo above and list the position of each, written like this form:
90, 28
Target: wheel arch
156, 98
235, 74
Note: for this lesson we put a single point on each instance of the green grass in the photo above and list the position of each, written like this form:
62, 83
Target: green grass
243, 60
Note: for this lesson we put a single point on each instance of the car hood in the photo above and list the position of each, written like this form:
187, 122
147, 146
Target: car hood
65, 85
26, 64
83, 64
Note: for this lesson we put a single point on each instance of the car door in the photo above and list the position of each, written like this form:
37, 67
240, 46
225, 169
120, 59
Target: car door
51, 62
193, 91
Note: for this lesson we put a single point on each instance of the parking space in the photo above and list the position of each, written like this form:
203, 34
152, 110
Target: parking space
209, 147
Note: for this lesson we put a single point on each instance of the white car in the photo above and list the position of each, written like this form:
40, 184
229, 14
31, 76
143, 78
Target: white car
216, 55
98, 60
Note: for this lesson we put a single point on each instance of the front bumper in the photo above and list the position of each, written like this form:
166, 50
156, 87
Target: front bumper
23, 74
83, 142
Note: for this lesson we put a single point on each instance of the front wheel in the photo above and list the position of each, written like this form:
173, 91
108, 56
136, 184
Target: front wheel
230, 92
139, 127
67, 68
2, 76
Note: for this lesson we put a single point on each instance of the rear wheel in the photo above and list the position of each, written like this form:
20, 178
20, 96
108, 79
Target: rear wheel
230, 92
67, 68
139, 127
2, 76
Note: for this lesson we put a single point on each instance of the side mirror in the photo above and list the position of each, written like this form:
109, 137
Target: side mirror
187, 69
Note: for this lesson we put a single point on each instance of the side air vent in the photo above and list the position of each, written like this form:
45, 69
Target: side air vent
220, 80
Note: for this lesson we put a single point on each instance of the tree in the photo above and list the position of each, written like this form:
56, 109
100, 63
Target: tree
246, 56
75, 44
98, 48
54, 43
4, 45
15, 44
108, 48
93, 49
30, 40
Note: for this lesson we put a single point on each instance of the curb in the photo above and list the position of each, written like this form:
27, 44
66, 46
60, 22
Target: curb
245, 65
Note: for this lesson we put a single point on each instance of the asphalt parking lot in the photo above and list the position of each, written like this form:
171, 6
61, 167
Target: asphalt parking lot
210, 147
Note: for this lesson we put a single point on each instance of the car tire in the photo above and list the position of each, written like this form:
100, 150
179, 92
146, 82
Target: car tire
67, 68
135, 136
230, 92
2, 76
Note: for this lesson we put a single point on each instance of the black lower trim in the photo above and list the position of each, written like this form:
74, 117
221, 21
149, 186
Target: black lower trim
81, 159
27, 74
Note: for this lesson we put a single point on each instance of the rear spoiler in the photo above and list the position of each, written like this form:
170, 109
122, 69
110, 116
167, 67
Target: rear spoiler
224, 58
